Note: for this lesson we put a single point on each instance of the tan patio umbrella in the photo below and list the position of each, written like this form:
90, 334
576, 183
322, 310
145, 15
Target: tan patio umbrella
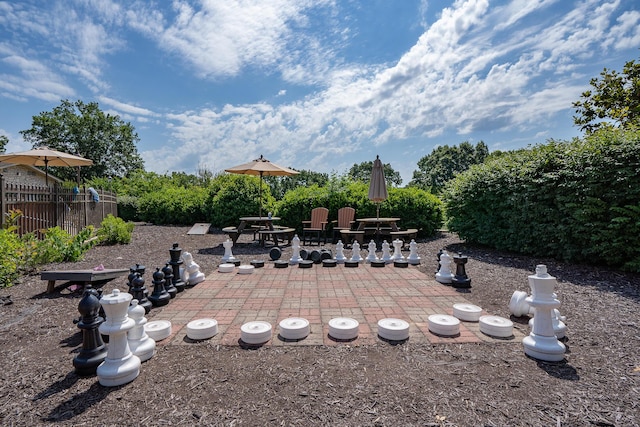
261, 167
44, 156
378, 185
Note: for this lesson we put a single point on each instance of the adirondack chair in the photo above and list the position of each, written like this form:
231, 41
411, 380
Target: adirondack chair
317, 226
345, 221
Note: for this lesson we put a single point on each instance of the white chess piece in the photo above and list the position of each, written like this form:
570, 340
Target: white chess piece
397, 250
139, 342
355, 252
228, 255
386, 252
372, 252
413, 258
444, 275
191, 273
340, 258
295, 248
121, 365
542, 343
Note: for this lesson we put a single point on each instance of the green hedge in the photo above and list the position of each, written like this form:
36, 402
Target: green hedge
416, 208
575, 201
172, 205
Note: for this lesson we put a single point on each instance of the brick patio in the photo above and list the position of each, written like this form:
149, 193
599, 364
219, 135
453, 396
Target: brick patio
318, 294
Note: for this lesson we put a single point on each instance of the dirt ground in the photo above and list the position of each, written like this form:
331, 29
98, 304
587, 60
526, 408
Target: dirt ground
487, 384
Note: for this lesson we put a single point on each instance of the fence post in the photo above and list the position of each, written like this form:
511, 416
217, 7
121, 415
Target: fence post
3, 202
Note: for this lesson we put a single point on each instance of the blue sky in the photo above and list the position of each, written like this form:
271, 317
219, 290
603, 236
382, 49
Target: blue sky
312, 84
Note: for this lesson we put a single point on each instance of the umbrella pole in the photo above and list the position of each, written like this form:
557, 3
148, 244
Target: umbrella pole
46, 171
260, 197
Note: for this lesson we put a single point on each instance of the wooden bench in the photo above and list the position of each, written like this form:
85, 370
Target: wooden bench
348, 236
405, 235
82, 276
284, 233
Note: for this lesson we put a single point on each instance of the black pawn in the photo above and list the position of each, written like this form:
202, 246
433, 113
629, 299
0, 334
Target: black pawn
140, 269
460, 280
138, 290
159, 296
168, 281
94, 350
176, 262
440, 252
130, 277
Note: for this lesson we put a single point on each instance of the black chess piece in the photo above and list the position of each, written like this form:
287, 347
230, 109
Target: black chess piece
130, 277
159, 296
440, 252
94, 350
138, 291
176, 262
460, 279
140, 269
168, 280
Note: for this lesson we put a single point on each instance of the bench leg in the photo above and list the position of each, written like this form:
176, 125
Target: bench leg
51, 285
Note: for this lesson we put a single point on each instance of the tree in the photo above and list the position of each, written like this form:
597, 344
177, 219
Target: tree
3, 143
362, 172
435, 169
84, 130
279, 185
614, 100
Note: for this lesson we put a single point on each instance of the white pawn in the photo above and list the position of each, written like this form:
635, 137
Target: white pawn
444, 275
228, 255
139, 342
191, 273
386, 252
355, 252
372, 252
397, 250
295, 248
413, 258
340, 258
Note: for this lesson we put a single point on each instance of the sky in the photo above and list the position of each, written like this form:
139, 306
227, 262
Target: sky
318, 85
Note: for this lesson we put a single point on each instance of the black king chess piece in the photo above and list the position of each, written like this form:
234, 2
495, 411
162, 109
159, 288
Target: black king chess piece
139, 292
159, 296
460, 280
94, 350
176, 262
168, 280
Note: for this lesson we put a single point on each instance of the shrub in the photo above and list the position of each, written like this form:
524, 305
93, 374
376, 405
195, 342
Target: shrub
59, 246
11, 249
576, 201
233, 196
417, 208
173, 205
114, 231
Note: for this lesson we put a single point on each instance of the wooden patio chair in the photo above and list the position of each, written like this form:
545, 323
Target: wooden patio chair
317, 226
345, 221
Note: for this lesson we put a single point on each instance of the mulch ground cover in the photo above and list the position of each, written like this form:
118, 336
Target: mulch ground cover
348, 384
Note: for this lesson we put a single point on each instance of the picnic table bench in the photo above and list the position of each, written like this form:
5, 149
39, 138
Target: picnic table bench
283, 232
83, 276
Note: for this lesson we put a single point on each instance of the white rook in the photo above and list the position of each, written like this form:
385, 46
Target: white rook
542, 342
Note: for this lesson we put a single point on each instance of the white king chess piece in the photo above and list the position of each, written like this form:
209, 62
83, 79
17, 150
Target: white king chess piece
372, 252
191, 273
228, 255
340, 258
413, 258
355, 252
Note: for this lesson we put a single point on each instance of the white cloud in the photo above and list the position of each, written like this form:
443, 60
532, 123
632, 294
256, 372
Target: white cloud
127, 108
460, 76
